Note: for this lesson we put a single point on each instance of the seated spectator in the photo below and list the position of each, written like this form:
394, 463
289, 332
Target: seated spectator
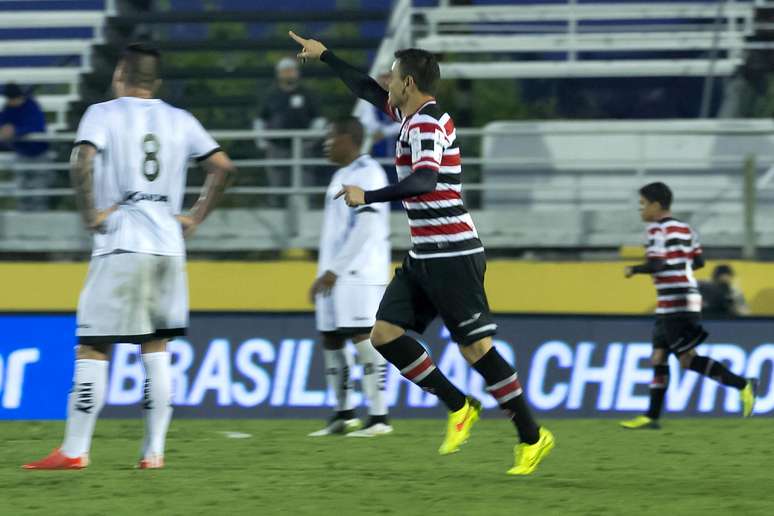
720, 298
22, 115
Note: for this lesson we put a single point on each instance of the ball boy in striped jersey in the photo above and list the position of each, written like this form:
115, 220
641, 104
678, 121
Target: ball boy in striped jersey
673, 253
443, 273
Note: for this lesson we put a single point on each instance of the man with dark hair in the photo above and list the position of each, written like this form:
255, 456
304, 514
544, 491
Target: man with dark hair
444, 271
353, 269
673, 253
141, 66
136, 290
21, 116
720, 298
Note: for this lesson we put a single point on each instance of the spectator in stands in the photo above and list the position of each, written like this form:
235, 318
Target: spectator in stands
721, 299
22, 115
288, 106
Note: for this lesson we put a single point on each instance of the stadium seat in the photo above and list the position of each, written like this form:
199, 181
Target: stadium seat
47, 46
613, 39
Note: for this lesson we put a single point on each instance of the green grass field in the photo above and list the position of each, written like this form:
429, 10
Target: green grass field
707, 466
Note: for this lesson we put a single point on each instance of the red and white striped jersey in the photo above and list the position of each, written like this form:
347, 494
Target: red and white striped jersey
676, 287
439, 223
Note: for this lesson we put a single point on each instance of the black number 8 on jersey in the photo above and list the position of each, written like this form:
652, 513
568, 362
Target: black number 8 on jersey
150, 164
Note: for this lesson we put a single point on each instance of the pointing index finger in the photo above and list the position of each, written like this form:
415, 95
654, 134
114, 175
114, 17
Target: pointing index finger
298, 39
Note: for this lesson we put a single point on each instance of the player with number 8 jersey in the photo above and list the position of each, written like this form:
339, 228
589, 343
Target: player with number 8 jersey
143, 150
128, 167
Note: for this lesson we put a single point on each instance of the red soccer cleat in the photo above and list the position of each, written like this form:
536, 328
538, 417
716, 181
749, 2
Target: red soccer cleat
152, 462
58, 460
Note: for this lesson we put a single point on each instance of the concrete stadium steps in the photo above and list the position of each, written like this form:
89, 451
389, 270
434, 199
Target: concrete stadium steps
51, 19
51, 231
585, 39
29, 75
252, 16
46, 45
605, 189
237, 229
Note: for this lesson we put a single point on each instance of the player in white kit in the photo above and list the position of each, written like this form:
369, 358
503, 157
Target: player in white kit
128, 168
353, 270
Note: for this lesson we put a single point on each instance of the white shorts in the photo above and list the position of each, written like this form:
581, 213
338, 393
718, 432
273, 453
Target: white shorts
133, 298
348, 307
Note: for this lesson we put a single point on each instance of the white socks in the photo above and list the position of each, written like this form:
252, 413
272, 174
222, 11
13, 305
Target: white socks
374, 375
157, 398
85, 402
338, 364
88, 397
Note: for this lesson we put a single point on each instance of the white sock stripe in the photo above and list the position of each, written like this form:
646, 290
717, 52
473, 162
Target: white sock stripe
503, 383
482, 329
424, 374
709, 367
415, 363
509, 396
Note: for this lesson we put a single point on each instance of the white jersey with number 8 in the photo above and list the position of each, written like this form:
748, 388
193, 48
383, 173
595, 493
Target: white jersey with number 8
144, 147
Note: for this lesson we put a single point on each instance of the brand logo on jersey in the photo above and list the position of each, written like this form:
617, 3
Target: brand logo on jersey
142, 196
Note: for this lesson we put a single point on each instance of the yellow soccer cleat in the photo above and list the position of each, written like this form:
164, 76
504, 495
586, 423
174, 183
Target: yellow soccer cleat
459, 425
748, 395
641, 423
528, 456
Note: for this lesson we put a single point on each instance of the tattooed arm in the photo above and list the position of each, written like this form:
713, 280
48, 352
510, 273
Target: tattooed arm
82, 180
220, 175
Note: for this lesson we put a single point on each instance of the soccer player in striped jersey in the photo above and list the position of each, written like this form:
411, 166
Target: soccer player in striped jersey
443, 273
673, 253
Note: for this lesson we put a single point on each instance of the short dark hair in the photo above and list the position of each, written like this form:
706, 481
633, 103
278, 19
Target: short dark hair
657, 192
422, 66
13, 91
722, 269
142, 63
351, 126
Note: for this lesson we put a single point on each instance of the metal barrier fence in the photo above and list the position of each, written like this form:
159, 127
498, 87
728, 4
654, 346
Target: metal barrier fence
526, 169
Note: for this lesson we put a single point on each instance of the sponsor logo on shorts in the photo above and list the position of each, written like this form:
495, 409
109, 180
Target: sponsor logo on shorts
473, 319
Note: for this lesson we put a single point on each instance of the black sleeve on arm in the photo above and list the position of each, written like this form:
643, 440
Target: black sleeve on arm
359, 82
698, 262
421, 181
649, 267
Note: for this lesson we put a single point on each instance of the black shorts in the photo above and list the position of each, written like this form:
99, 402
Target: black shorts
678, 333
450, 287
